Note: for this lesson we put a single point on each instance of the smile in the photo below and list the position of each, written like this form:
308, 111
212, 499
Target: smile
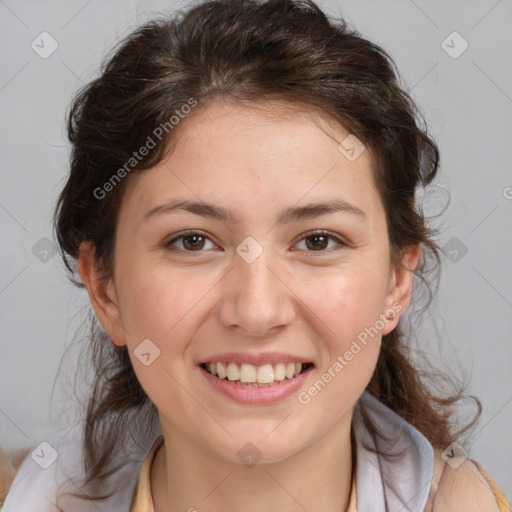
246, 374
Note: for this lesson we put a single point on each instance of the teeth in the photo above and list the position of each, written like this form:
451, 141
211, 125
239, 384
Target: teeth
221, 370
280, 373
247, 374
290, 370
265, 374
233, 372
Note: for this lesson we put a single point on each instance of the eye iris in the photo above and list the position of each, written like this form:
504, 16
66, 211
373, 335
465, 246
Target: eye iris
197, 244
321, 243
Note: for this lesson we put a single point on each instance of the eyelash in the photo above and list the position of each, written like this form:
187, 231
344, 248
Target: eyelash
309, 234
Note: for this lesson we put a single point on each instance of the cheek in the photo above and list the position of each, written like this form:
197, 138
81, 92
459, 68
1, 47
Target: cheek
156, 302
160, 306
348, 308
347, 303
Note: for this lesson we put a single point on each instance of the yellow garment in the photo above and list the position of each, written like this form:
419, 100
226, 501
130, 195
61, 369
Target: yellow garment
501, 499
143, 500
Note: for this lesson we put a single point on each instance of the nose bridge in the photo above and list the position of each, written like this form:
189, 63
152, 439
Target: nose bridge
256, 300
252, 264
255, 278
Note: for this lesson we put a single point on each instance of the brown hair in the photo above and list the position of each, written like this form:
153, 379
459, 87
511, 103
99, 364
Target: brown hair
246, 50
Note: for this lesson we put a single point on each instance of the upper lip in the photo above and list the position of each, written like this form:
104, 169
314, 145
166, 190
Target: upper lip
255, 359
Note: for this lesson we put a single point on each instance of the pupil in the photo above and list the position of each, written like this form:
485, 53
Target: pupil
320, 238
199, 242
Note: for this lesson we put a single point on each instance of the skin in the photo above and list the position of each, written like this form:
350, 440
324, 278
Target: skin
293, 298
459, 488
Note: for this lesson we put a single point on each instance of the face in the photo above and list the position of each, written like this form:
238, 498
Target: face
256, 275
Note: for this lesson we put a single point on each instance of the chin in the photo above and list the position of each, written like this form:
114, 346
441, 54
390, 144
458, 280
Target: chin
249, 450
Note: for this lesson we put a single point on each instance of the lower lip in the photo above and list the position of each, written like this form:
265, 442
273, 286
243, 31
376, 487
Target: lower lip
253, 395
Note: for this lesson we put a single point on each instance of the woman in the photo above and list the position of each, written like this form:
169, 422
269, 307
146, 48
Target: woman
241, 210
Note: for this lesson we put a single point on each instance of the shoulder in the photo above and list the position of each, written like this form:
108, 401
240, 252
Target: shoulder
34, 484
54, 468
460, 486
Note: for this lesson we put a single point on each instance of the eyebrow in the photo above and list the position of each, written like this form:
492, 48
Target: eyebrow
287, 215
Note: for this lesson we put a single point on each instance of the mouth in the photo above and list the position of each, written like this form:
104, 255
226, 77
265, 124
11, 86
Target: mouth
248, 375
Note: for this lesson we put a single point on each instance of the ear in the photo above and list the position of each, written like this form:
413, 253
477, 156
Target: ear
400, 286
102, 294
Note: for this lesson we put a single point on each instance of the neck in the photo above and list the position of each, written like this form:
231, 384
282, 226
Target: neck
185, 477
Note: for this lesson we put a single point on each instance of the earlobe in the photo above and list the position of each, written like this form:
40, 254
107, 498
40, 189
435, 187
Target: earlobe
400, 290
102, 293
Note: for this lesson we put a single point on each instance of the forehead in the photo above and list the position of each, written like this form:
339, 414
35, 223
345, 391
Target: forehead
271, 129
259, 154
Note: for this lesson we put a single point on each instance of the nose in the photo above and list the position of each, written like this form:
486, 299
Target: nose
256, 300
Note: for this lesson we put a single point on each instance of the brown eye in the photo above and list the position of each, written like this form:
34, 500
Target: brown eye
192, 241
319, 241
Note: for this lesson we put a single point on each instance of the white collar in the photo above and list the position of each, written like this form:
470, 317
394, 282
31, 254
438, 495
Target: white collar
34, 488
410, 474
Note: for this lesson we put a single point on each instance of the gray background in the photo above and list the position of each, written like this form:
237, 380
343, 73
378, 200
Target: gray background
467, 102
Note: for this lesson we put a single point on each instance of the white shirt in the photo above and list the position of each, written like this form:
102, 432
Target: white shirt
36, 489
